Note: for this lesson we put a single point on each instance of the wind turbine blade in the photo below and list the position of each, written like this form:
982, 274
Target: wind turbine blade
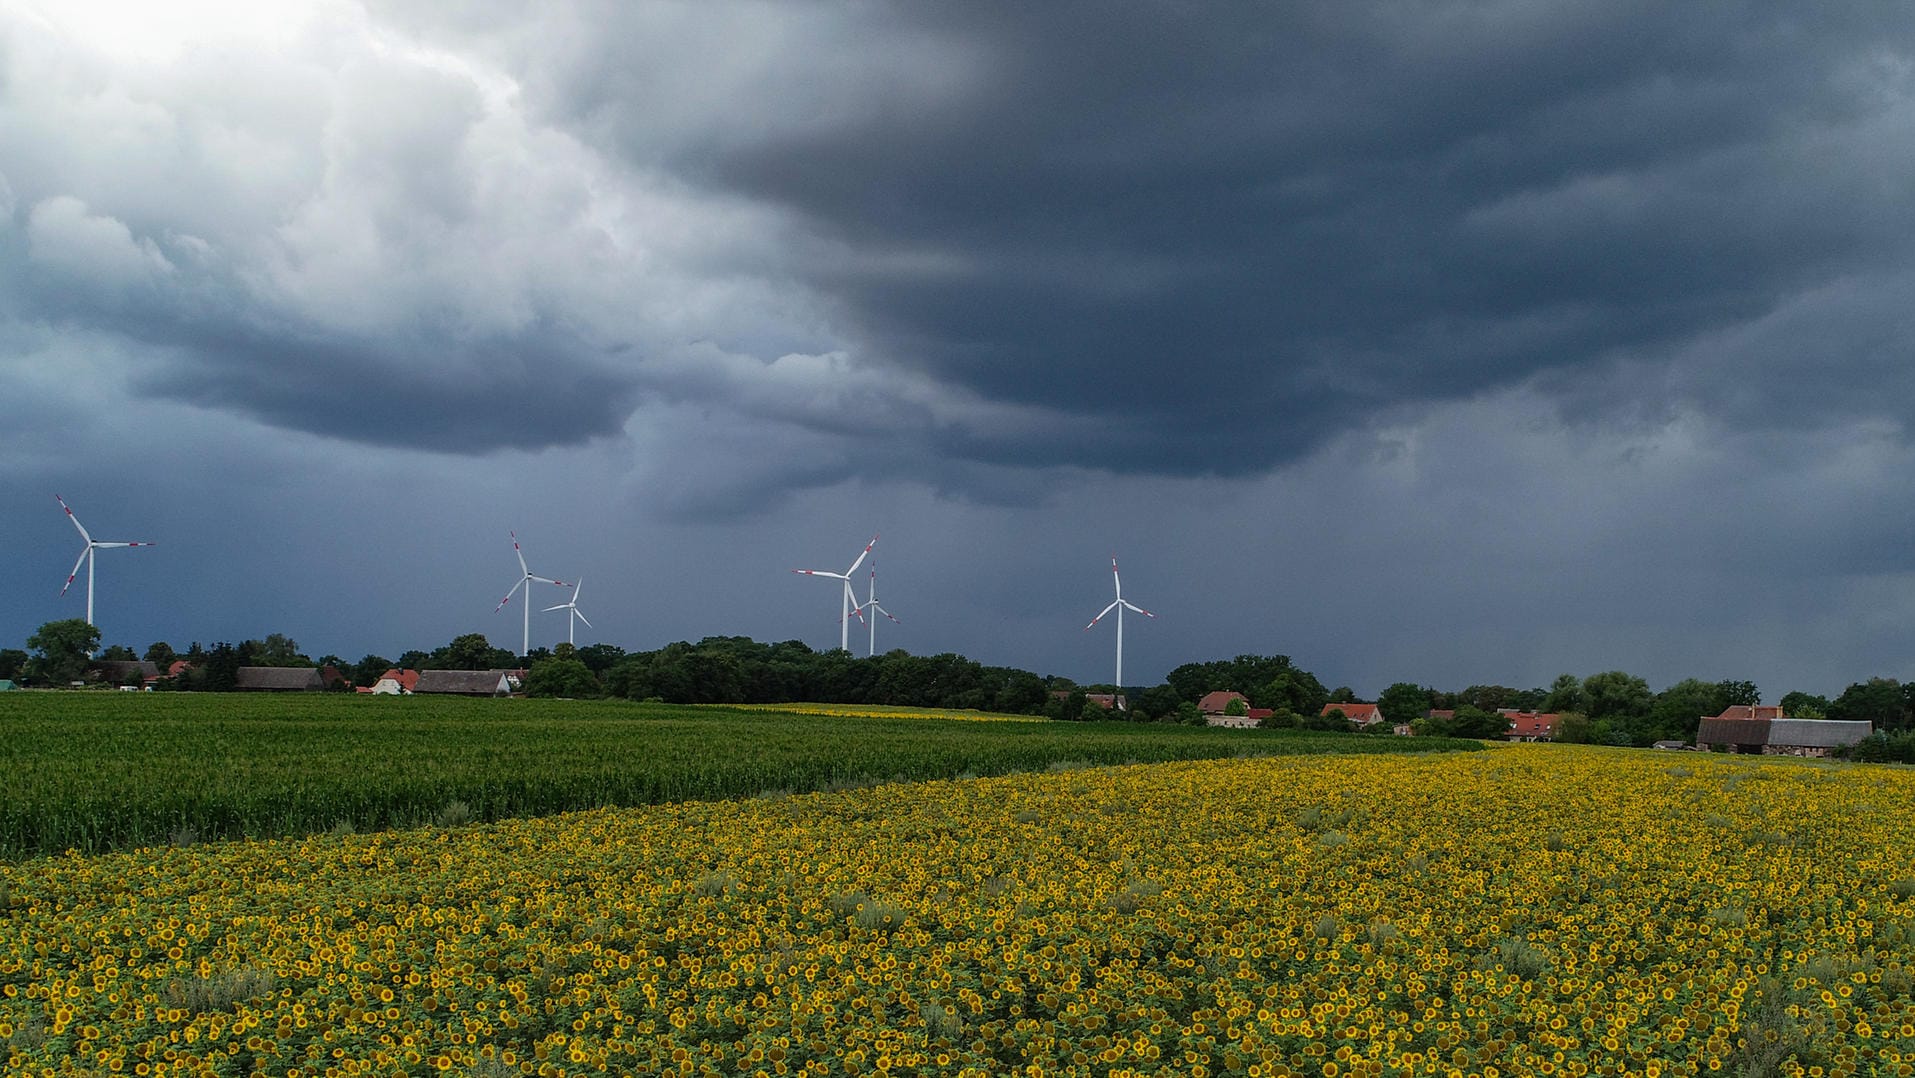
547, 580
582, 617
84, 551
105, 545
576, 585
885, 612
509, 595
1106, 610
561, 606
820, 572
862, 554
71, 517
1138, 609
515, 549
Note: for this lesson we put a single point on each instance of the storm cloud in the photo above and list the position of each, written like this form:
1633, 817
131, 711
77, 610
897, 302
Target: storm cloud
1627, 275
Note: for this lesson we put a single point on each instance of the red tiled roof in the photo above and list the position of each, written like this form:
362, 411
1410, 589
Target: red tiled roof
407, 679
1214, 703
1744, 711
1531, 723
1363, 713
1262, 713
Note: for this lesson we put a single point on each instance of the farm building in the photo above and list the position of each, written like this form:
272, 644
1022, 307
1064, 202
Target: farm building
463, 683
1765, 731
1360, 714
395, 683
278, 679
1217, 703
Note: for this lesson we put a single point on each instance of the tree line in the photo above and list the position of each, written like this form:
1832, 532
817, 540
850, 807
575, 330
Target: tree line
1612, 707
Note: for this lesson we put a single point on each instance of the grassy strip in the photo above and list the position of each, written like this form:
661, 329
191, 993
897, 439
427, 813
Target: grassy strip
102, 771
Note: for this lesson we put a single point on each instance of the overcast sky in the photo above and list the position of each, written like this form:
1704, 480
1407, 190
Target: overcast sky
1446, 342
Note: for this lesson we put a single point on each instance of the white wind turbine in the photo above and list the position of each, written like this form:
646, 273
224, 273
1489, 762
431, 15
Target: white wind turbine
525, 581
850, 601
86, 555
572, 616
1119, 604
871, 604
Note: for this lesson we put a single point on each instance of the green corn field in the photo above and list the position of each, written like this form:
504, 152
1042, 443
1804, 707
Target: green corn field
102, 771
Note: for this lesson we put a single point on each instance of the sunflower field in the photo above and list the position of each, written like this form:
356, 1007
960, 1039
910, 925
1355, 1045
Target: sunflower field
1530, 910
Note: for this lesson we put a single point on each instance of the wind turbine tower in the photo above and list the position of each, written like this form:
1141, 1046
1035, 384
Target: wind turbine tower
850, 601
525, 581
86, 555
871, 604
1119, 604
572, 616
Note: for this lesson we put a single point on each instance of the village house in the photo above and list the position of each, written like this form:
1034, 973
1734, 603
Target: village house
1765, 730
1529, 725
1358, 714
1216, 710
395, 683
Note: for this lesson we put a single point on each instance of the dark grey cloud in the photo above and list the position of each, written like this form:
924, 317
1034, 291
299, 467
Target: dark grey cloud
1292, 216
1450, 342
1034, 235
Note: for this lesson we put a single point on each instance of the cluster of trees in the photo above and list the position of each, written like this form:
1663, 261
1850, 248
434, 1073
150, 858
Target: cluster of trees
724, 669
1613, 707
1618, 708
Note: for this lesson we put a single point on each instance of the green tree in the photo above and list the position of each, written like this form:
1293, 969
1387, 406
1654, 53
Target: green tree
12, 661
1342, 694
470, 651
1292, 689
1616, 694
1802, 705
1331, 720
161, 655
1404, 702
1477, 723
1281, 719
1877, 700
1566, 694
277, 649
1678, 708
1574, 728
562, 677
118, 653
1236, 706
1743, 693
64, 648
366, 671
601, 657
219, 670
